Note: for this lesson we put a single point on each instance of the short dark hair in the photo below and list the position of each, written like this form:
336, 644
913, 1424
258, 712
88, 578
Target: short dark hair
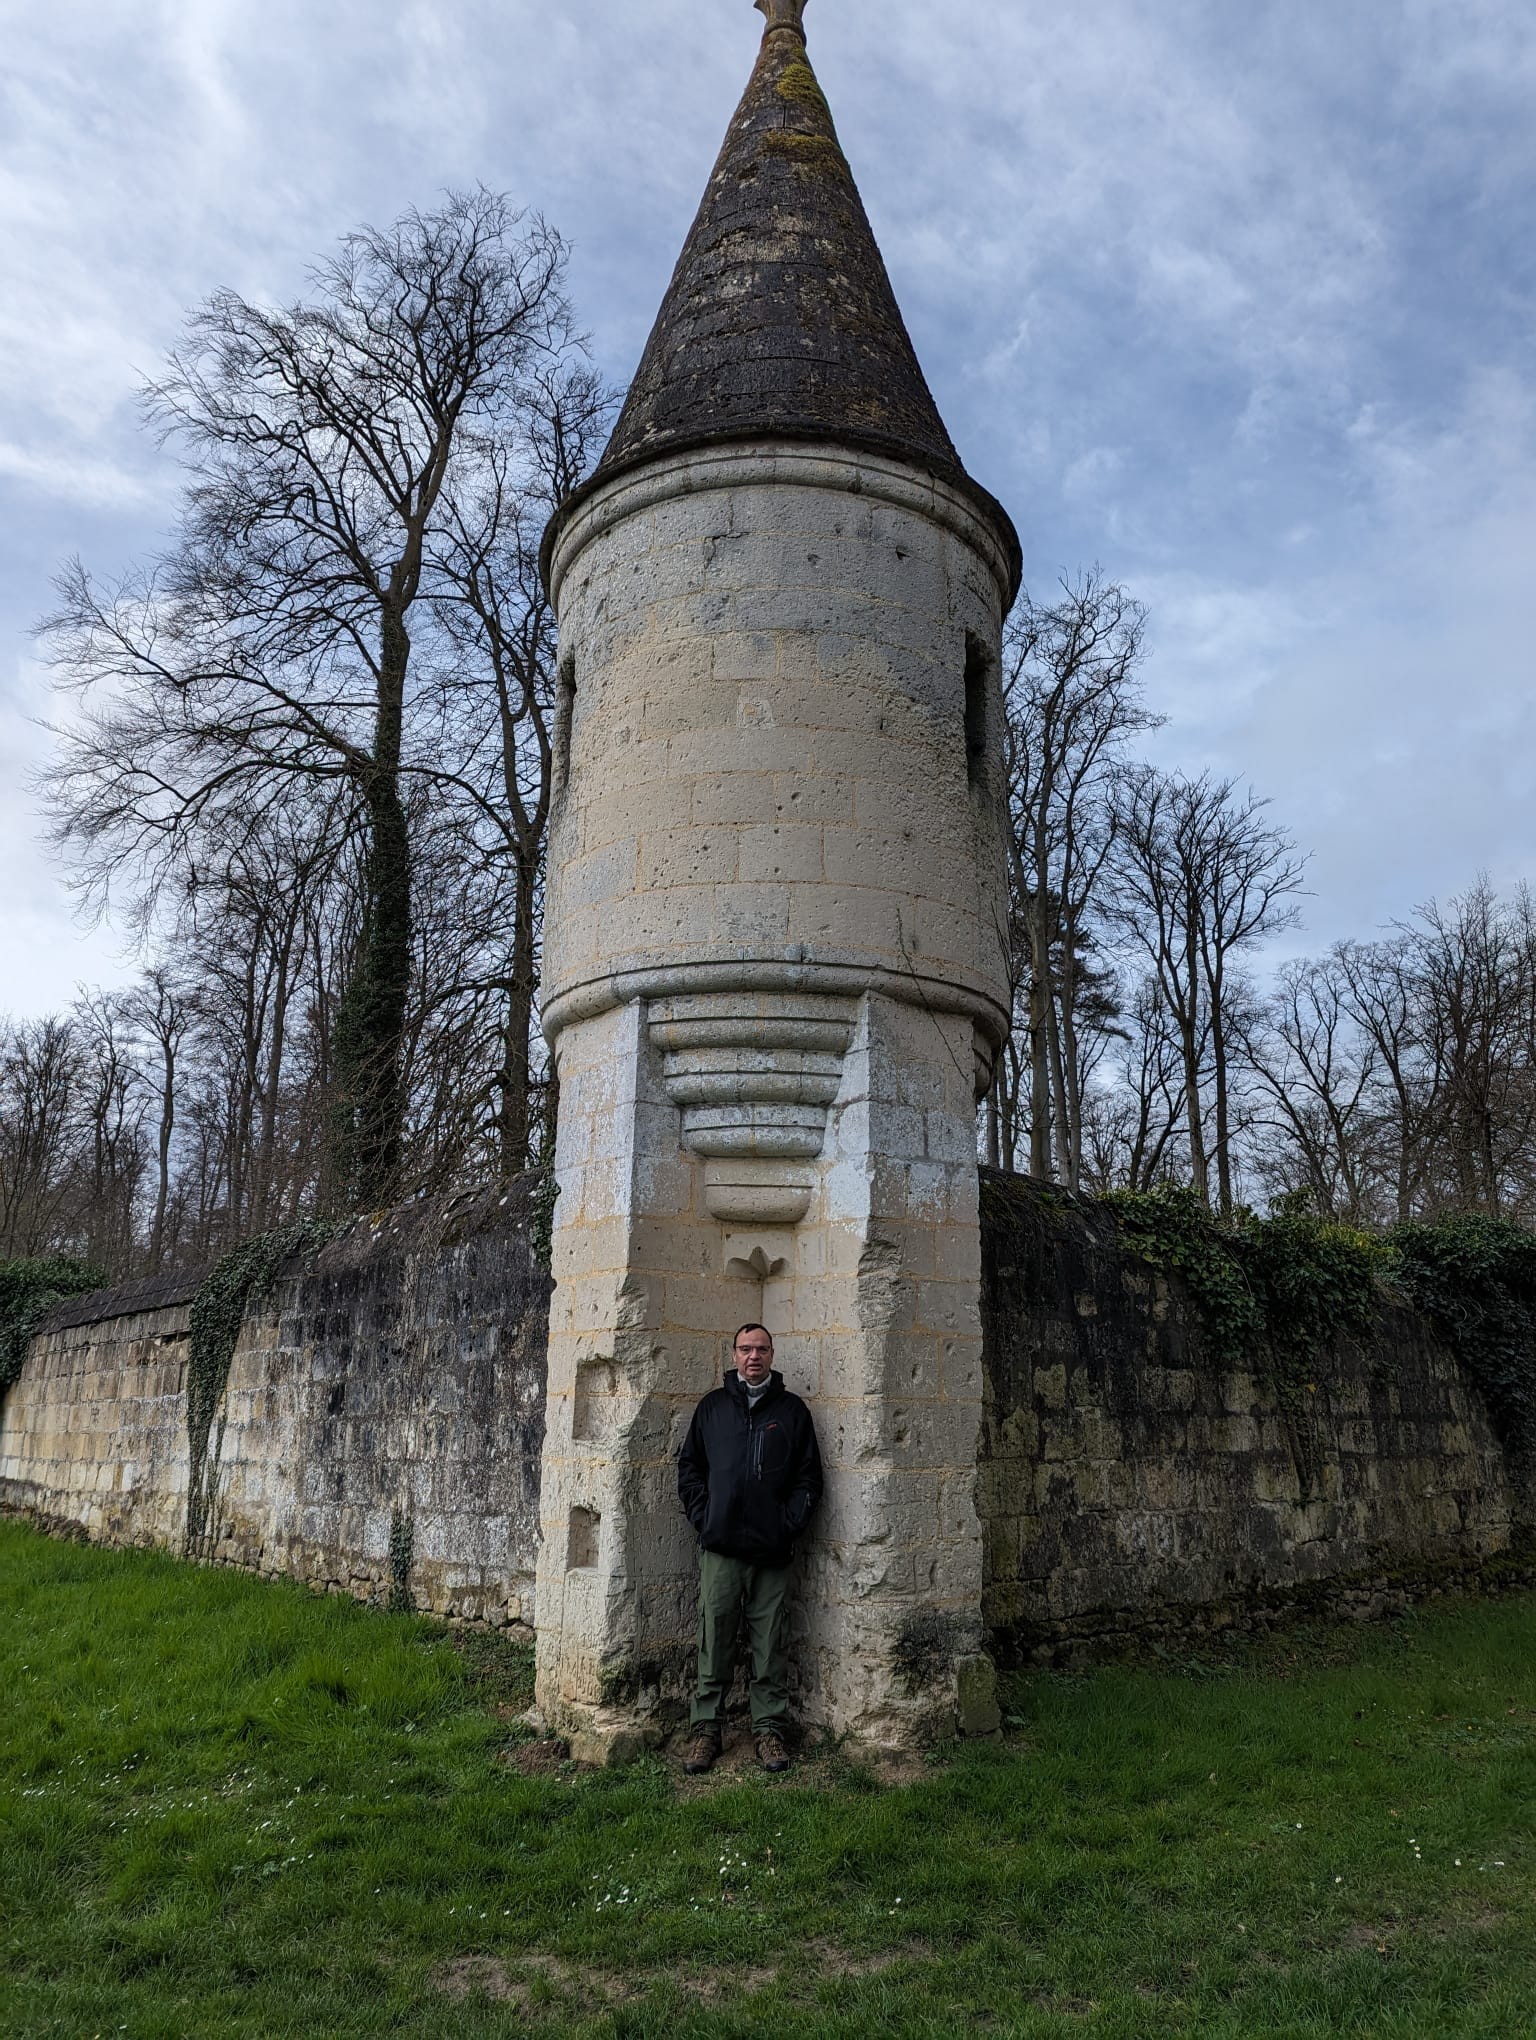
751, 1328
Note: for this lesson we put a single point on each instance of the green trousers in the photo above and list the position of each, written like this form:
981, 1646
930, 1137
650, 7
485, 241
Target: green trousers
724, 1585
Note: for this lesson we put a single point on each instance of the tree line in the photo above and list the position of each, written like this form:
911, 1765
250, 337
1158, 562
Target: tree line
1390, 1079
308, 763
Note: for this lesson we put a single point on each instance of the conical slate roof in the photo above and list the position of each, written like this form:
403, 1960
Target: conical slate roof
780, 320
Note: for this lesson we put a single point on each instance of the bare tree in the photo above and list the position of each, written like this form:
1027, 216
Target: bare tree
1474, 966
1072, 698
1318, 1070
1381, 999
159, 1010
112, 1105
1136, 1125
498, 618
39, 1094
1201, 877
326, 446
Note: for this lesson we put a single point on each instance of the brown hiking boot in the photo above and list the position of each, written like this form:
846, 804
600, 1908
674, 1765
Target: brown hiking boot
771, 1753
703, 1751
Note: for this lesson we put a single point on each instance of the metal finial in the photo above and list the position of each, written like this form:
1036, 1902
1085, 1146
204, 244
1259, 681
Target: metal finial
783, 14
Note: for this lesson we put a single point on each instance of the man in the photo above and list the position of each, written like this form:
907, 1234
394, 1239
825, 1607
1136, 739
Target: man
749, 1476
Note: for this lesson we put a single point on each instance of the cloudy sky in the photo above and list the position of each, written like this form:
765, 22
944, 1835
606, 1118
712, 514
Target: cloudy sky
1237, 301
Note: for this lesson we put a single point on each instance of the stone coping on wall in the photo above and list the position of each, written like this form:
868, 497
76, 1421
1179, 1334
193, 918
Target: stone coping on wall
427, 1223
126, 1299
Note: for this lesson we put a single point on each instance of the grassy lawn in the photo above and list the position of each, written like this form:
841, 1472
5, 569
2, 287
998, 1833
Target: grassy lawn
233, 1808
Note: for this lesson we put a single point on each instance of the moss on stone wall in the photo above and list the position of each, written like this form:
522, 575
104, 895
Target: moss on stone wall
243, 1278
1187, 1416
29, 1289
811, 152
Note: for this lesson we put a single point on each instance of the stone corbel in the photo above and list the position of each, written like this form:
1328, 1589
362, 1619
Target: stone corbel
754, 1075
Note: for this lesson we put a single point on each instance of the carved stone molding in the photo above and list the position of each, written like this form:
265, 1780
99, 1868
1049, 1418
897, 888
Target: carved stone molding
784, 14
754, 1075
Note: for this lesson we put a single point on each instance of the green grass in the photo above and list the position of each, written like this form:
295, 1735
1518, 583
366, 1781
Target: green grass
234, 1808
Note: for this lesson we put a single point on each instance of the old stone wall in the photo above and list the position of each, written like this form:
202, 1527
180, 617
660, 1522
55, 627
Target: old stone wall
94, 1432
1130, 1483
382, 1423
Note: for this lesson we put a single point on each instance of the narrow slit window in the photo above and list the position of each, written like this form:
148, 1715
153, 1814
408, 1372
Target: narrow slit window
978, 674
565, 711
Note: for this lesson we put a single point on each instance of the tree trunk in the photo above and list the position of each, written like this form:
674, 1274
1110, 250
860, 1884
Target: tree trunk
516, 1076
163, 1179
1063, 1125
1223, 1128
1040, 1145
1071, 1066
378, 1015
1189, 1037
371, 1024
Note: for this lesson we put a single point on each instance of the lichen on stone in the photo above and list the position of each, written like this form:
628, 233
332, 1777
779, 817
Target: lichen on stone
815, 152
798, 83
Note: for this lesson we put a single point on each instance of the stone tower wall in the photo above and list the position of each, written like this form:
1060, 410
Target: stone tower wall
764, 746
774, 976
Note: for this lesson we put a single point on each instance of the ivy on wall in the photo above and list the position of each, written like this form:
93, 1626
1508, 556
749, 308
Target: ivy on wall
29, 1289
1475, 1278
402, 1555
241, 1279
1295, 1279
1171, 1230
1295, 1282
541, 1226
1277, 1290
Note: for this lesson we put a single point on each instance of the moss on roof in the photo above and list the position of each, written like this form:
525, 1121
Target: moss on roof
780, 318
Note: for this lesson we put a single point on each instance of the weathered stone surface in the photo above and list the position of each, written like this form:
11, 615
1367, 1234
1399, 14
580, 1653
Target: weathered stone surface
1128, 1486
977, 1710
780, 319
856, 739
769, 1035
95, 1430
394, 1391
1131, 1483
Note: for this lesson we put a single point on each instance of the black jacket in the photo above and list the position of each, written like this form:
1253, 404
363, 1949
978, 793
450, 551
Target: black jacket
749, 1478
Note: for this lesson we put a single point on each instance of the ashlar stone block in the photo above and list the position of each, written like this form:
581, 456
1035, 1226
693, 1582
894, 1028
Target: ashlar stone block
815, 856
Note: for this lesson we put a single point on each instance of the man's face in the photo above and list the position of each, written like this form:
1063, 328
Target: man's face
754, 1357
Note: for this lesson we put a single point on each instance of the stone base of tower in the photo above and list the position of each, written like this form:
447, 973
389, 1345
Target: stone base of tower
688, 1205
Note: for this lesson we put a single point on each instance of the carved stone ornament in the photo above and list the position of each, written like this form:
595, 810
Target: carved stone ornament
754, 1075
783, 14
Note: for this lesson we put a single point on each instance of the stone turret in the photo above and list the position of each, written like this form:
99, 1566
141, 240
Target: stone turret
774, 971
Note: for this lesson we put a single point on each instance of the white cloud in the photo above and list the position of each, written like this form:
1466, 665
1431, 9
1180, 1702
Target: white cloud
48, 953
1232, 300
69, 477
